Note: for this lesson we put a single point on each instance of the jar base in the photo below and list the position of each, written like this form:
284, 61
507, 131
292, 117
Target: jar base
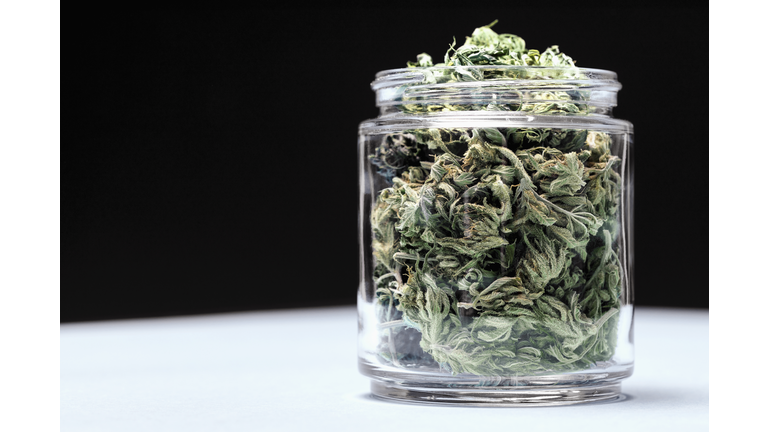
506, 397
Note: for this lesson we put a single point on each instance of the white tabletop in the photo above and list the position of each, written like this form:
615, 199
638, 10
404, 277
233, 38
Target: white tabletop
296, 370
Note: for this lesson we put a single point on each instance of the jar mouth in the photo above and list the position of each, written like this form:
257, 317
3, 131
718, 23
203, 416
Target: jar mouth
492, 87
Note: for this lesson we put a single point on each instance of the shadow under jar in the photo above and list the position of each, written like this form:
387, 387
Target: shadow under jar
495, 237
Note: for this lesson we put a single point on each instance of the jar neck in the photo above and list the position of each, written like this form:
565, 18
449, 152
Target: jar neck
509, 89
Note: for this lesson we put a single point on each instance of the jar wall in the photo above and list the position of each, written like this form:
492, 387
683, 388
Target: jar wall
495, 255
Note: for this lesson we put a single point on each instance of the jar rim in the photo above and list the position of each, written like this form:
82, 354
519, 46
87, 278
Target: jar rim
471, 86
593, 73
416, 75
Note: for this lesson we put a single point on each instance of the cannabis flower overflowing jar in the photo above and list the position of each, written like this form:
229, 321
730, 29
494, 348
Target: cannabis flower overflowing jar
495, 236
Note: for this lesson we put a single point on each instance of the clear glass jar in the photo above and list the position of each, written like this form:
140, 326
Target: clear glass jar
495, 237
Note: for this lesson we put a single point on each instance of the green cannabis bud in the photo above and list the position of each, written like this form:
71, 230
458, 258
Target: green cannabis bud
496, 249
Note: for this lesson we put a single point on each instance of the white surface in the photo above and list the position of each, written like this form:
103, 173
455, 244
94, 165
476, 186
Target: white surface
297, 371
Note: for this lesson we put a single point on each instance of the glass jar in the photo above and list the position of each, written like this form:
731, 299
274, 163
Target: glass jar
495, 237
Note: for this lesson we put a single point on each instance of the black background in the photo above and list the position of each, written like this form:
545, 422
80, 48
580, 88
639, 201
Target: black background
210, 161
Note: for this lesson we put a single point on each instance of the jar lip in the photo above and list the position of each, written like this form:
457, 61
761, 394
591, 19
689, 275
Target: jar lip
550, 89
601, 72
418, 75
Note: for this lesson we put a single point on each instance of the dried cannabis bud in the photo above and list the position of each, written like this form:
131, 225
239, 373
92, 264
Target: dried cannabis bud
486, 47
496, 248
